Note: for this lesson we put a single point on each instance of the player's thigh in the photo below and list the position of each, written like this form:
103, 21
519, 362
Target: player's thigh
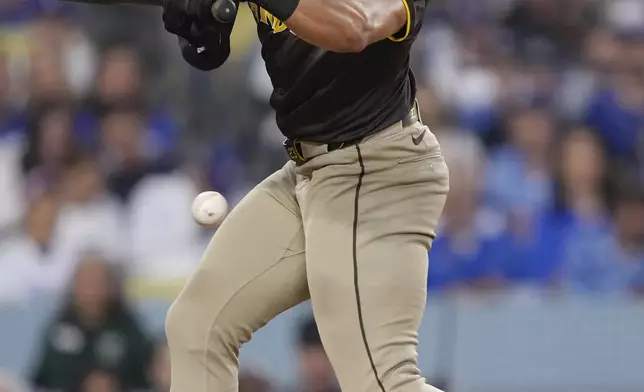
368, 229
252, 270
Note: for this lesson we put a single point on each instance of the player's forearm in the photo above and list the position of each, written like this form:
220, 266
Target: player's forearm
345, 25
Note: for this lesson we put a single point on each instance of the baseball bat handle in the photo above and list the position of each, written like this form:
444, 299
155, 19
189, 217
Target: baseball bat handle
224, 11
158, 3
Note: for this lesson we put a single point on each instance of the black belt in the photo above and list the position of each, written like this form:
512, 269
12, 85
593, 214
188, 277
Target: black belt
294, 149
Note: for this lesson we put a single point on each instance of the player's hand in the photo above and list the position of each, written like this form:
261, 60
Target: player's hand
203, 58
189, 19
176, 18
204, 43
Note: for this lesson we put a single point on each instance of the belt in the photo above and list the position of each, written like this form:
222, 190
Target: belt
301, 151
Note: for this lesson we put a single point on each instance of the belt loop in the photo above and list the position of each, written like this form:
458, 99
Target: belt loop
416, 109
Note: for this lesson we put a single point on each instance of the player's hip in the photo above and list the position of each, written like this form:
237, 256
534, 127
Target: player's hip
395, 136
403, 142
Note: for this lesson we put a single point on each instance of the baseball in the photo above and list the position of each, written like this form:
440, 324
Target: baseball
209, 208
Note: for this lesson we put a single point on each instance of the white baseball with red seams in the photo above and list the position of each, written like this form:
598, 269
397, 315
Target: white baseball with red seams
209, 208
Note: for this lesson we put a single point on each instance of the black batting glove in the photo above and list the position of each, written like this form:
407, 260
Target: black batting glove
207, 48
192, 20
203, 58
176, 18
204, 43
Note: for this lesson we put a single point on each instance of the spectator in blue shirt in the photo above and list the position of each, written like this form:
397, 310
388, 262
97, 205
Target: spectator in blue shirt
582, 188
617, 113
125, 156
17, 12
121, 82
611, 264
12, 122
519, 177
470, 243
50, 145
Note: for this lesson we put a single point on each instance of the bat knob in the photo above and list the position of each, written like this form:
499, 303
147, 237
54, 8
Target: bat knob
224, 11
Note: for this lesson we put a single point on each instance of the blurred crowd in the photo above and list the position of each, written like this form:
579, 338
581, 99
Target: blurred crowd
95, 343
106, 136
539, 107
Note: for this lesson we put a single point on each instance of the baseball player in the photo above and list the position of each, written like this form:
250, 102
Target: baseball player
346, 223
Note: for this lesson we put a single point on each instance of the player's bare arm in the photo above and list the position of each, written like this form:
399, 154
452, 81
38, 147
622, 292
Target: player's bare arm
343, 26
347, 25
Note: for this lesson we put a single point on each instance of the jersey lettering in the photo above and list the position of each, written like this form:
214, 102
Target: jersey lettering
265, 17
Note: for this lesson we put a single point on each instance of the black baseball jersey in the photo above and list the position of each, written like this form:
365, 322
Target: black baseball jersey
325, 97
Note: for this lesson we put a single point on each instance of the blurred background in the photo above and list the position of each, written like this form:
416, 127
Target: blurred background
536, 280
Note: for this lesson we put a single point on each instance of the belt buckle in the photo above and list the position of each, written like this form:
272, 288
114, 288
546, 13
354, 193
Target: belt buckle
293, 151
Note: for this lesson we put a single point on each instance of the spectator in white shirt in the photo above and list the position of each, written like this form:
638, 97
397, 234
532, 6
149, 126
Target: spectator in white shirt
11, 200
26, 258
166, 241
58, 230
89, 219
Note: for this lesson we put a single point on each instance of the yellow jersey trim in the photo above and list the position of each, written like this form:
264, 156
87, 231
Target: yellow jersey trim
407, 26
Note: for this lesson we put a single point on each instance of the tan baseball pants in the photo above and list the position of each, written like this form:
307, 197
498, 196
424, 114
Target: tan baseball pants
350, 230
